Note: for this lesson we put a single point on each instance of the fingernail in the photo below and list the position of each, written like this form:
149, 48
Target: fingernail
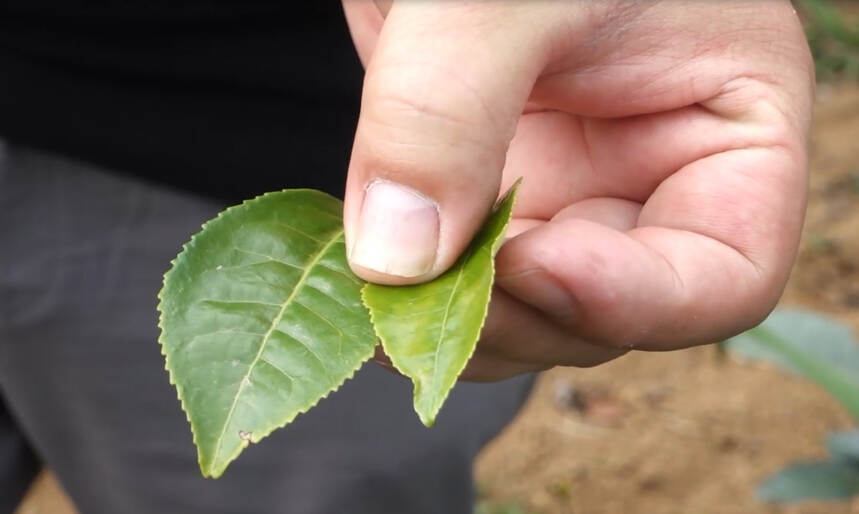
542, 291
397, 231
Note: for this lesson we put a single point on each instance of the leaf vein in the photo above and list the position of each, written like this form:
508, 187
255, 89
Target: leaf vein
342, 273
267, 256
320, 316
299, 232
221, 331
279, 369
305, 273
444, 324
252, 302
310, 350
330, 297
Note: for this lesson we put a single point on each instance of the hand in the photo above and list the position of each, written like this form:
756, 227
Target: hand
663, 150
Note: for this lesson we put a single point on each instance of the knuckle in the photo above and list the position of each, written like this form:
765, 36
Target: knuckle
434, 97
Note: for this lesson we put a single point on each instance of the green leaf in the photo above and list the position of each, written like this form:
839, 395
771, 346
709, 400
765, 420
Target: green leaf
810, 345
844, 446
261, 317
824, 480
831, 21
430, 330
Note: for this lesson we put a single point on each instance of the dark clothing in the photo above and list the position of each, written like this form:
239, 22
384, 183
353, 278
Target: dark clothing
230, 98
82, 252
223, 99
18, 462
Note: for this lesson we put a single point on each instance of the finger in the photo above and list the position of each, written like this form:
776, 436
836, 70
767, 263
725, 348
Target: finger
365, 22
490, 368
517, 332
444, 88
708, 259
616, 213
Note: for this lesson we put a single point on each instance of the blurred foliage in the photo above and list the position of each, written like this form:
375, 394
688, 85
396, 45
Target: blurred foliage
486, 507
807, 344
812, 480
834, 40
826, 352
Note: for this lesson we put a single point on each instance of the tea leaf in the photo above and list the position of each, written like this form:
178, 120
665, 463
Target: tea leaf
261, 317
430, 330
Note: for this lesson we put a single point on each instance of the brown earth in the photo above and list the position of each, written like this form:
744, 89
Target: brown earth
682, 432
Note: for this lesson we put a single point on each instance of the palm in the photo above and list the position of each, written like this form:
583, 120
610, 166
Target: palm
603, 169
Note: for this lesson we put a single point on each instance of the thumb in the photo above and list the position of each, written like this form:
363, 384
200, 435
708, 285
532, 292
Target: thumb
443, 92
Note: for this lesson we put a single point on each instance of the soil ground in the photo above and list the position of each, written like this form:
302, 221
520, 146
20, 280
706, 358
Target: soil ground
682, 432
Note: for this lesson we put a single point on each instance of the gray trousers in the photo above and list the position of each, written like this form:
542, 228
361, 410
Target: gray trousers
83, 387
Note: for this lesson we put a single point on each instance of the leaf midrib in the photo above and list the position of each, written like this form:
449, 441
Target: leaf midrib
444, 323
275, 322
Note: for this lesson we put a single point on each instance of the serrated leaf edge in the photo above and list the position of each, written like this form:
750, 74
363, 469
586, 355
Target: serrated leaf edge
215, 472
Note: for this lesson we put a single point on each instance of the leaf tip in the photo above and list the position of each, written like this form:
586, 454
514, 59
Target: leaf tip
426, 412
428, 404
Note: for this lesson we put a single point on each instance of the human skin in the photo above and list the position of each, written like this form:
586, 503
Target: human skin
662, 146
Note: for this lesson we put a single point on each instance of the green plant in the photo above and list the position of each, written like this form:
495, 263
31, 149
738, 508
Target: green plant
486, 507
824, 351
834, 44
261, 317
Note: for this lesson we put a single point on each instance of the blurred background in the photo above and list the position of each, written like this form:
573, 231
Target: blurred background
765, 423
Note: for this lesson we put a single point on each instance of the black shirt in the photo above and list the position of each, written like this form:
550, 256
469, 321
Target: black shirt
229, 98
